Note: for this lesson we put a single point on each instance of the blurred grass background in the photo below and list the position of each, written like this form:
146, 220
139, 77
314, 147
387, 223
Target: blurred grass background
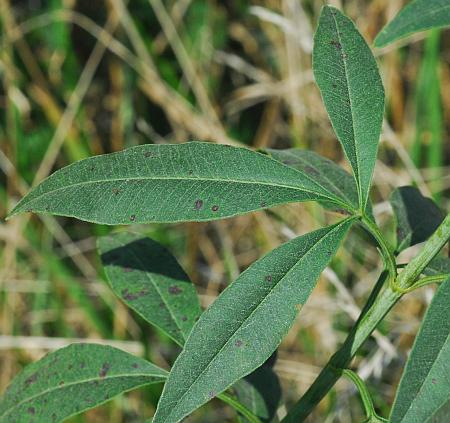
85, 77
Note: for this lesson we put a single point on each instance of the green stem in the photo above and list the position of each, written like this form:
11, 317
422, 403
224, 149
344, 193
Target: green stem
240, 408
386, 252
370, 317
365, 395
426, 281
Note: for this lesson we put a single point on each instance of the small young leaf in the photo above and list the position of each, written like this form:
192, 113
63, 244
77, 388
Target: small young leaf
351, 88
170, 183
260, 392
246, 323
150, 281
71, 380
417, 216
438, 266
424, 391
417, 15
324, 171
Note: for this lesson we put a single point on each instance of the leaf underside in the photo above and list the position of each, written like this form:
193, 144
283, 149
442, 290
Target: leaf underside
71, 380
170, 183
351, 88
417, 15
246, 323
151, 282
438, 266
417, 216
424, 392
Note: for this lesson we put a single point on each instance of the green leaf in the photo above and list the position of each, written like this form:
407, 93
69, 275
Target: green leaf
71, 380
438, 266
351, 88
151, 282
170, 183
260, 392
324, 171
424, 392
417, 216
417, 15
246, 323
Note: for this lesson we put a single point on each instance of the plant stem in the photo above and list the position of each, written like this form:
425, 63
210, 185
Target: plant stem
386, 252
369, 319
240, 408
365, 395
426, 281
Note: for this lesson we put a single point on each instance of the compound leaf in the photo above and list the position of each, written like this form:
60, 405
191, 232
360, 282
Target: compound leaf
151, 282
326, 172
246, 323
417, 216
417, 15
424, 392
71, 380
351, 88
170, 183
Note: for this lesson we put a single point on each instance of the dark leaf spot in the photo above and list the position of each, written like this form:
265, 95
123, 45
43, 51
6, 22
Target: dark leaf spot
31, 379
238, 343
104, 370
127, 269
184, 318
82, 365
263, 204
115, 191
127, 295
133, 217
175, 290
211, 394
214, 208
190, 172
135, 365
198, 204
268, 278
337, 44
148, 154
61, 383
31, 410
433, 381
311, 170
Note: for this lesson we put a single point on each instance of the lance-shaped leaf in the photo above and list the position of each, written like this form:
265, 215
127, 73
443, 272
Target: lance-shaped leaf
170, 183
351, 88
417, 216
327, 173
71, 380
151, 282
417, 15
246, 323
424, 392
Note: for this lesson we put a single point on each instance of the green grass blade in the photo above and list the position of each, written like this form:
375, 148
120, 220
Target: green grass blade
351, 88
151, 282
73, 379
424, 392
246, 323
170, 183
417, 15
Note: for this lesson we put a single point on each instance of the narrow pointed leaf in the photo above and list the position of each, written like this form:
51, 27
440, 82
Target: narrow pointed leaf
424, 392
417, 216
170, 183
417, 15
327, 173
71, 380
151, 282
246, 323
351, 88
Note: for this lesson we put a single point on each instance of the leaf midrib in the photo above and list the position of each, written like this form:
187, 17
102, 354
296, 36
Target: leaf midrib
356, 171
123, 179
253, 311
84, 381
